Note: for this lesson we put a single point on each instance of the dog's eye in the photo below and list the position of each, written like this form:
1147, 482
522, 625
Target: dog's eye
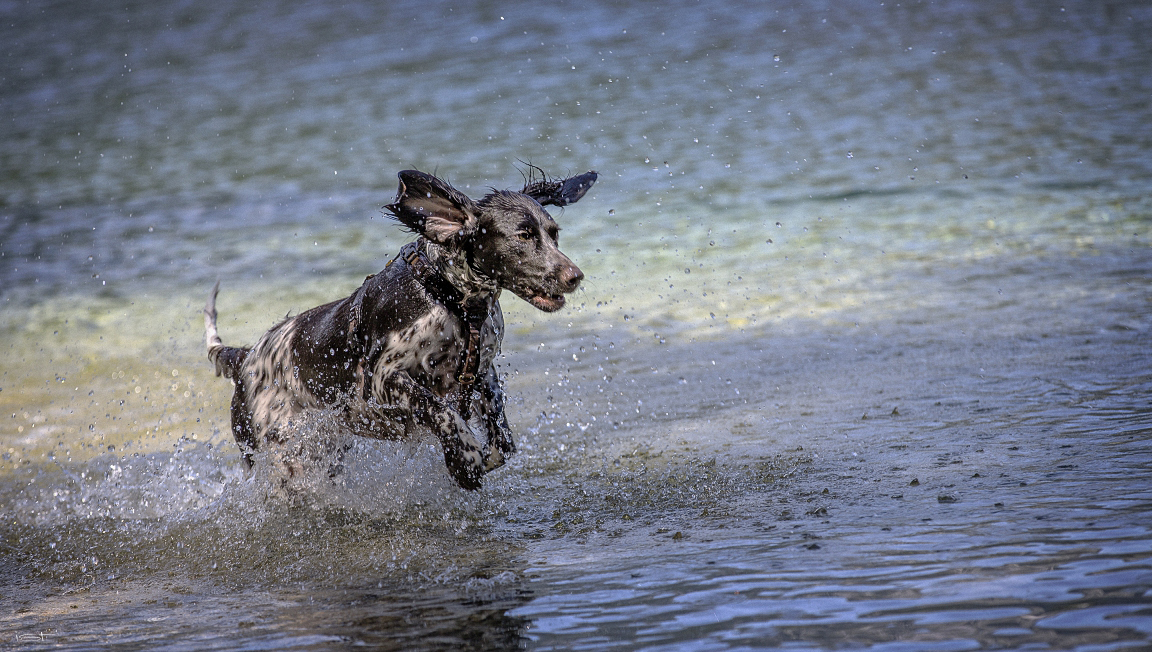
525, 236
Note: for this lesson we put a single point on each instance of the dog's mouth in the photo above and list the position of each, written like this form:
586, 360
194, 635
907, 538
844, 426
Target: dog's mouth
547, 302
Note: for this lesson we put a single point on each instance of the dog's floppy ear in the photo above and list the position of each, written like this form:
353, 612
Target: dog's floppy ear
561, 192
432, 208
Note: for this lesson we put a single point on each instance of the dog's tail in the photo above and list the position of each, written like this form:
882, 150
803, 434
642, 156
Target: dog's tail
226, 359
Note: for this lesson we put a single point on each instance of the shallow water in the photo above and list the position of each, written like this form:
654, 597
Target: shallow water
861, 359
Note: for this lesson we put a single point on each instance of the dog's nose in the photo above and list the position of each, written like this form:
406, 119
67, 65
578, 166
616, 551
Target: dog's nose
570, 277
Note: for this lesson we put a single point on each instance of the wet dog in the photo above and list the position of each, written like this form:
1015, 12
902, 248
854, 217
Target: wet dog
413, 348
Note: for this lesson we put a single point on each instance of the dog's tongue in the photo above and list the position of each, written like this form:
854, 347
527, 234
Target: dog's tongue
547, 303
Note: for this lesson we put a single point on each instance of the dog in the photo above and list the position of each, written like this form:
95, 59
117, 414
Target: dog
413, 348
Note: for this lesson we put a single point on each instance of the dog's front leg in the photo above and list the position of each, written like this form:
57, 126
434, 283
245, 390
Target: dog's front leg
500, 443
463, 453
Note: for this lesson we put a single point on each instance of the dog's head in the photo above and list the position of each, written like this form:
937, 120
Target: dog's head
507, 236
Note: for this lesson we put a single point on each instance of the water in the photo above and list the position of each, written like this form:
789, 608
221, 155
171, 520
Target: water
861, 360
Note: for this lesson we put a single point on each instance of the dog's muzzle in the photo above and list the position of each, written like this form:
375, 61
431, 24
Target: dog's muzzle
569, 279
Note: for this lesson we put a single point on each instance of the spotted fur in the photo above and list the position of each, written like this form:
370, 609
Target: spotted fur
413, 349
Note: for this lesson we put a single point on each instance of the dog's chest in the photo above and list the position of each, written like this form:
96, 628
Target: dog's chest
432, 348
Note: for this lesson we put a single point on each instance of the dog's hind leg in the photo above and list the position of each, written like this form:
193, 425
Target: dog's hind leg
242, 424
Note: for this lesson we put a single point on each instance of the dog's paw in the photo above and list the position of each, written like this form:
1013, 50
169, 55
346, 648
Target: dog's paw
501, 437
463, 453
506, 444
500, 445
494, 460
465, 467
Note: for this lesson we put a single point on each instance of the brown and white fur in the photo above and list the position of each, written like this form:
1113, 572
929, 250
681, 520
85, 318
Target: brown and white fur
413, 348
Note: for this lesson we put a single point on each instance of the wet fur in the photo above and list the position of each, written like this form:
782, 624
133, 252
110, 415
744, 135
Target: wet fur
390, 357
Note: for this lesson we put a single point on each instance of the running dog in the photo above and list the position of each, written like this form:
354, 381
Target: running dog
413, 348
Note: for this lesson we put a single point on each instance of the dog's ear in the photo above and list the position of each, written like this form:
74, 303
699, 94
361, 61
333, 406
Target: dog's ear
432, 208
561, 192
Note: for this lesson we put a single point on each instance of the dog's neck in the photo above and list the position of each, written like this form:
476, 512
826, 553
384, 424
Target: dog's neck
452, 265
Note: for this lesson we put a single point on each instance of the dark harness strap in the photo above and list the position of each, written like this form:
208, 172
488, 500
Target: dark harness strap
473, 313
356, 314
